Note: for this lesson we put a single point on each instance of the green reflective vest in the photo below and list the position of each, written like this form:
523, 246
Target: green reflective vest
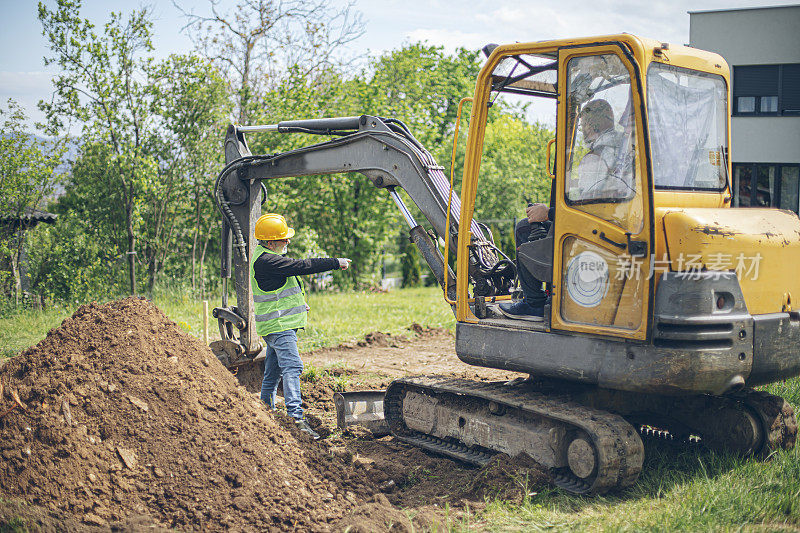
279, 310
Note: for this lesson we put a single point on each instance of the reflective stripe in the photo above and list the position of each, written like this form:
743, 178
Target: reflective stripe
274, 297
281, 313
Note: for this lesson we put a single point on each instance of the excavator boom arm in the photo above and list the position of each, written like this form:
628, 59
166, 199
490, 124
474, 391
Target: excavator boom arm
387, 154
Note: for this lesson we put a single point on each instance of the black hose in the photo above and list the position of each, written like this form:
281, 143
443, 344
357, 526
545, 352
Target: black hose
223, 205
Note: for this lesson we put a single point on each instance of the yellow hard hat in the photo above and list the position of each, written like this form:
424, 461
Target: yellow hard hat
272, 227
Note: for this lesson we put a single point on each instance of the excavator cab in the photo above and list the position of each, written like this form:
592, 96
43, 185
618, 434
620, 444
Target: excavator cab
644, 258
666, 303
598, 253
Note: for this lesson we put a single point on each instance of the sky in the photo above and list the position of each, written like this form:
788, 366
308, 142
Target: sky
389, 24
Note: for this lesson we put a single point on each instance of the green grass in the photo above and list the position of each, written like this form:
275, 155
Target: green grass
334, 317
10, 522
27, 328
344, 317
310, 373
13, 525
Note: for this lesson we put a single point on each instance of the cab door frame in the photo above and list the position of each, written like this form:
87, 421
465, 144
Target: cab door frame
571, 222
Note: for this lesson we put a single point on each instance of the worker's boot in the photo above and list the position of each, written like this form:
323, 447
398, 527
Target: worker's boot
523, 311
303, 426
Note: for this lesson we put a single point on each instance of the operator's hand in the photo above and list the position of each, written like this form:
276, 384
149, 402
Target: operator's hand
537, 213
308, 308
344, 263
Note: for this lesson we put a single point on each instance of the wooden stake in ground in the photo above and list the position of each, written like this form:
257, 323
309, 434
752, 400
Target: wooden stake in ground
205, 322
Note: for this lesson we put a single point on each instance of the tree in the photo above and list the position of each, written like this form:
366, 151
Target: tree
104, 83
192, 105
257, 43
422, 85
418, 84
513, 167
72, 261
27, 177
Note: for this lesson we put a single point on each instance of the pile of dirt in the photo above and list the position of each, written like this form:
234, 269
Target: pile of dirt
380, 339
125, 415
19, 516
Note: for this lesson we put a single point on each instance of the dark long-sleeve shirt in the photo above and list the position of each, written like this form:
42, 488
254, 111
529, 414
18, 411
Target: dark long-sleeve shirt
271, 270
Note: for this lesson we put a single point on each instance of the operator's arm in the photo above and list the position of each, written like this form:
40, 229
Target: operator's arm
540, 213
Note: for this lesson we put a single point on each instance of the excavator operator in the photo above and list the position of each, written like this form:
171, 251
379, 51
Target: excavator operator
604, 143
597, 125
281, 309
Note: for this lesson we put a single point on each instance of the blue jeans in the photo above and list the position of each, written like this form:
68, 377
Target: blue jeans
283, 360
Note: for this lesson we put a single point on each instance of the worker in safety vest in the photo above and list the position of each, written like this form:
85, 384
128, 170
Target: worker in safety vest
281, 309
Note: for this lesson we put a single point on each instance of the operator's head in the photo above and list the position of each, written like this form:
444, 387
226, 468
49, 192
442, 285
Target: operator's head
597, 117
273, 232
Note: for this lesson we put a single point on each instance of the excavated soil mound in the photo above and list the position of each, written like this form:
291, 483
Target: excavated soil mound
121, 414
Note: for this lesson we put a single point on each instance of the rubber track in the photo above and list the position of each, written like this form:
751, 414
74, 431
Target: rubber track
777, 419
619, 449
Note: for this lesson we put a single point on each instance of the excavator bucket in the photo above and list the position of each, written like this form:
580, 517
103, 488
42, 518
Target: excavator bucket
363, 408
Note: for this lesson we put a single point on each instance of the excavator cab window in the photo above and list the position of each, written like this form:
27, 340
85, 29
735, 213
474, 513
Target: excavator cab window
688, 114
601, 148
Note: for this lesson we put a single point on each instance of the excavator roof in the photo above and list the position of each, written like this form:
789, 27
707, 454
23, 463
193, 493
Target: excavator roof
644, 49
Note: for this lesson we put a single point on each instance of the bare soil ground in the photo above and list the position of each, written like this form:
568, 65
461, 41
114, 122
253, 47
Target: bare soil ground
422, 351
413, 479
120, 421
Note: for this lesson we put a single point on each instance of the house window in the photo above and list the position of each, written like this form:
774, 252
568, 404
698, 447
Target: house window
766, 90
766, 185
747, 104
789, 188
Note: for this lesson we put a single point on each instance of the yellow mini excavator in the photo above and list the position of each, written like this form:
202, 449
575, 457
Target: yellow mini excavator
667, 305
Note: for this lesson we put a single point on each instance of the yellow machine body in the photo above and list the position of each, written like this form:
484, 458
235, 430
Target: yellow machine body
666, 306
675, 225
761, 245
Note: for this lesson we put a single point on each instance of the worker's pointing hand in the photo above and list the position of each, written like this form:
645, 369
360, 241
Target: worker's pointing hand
344, 263
536, 213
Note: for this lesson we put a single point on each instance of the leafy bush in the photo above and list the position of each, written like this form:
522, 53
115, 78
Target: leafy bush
70, 262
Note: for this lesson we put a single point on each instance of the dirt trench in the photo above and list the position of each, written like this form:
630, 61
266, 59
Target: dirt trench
120, 421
